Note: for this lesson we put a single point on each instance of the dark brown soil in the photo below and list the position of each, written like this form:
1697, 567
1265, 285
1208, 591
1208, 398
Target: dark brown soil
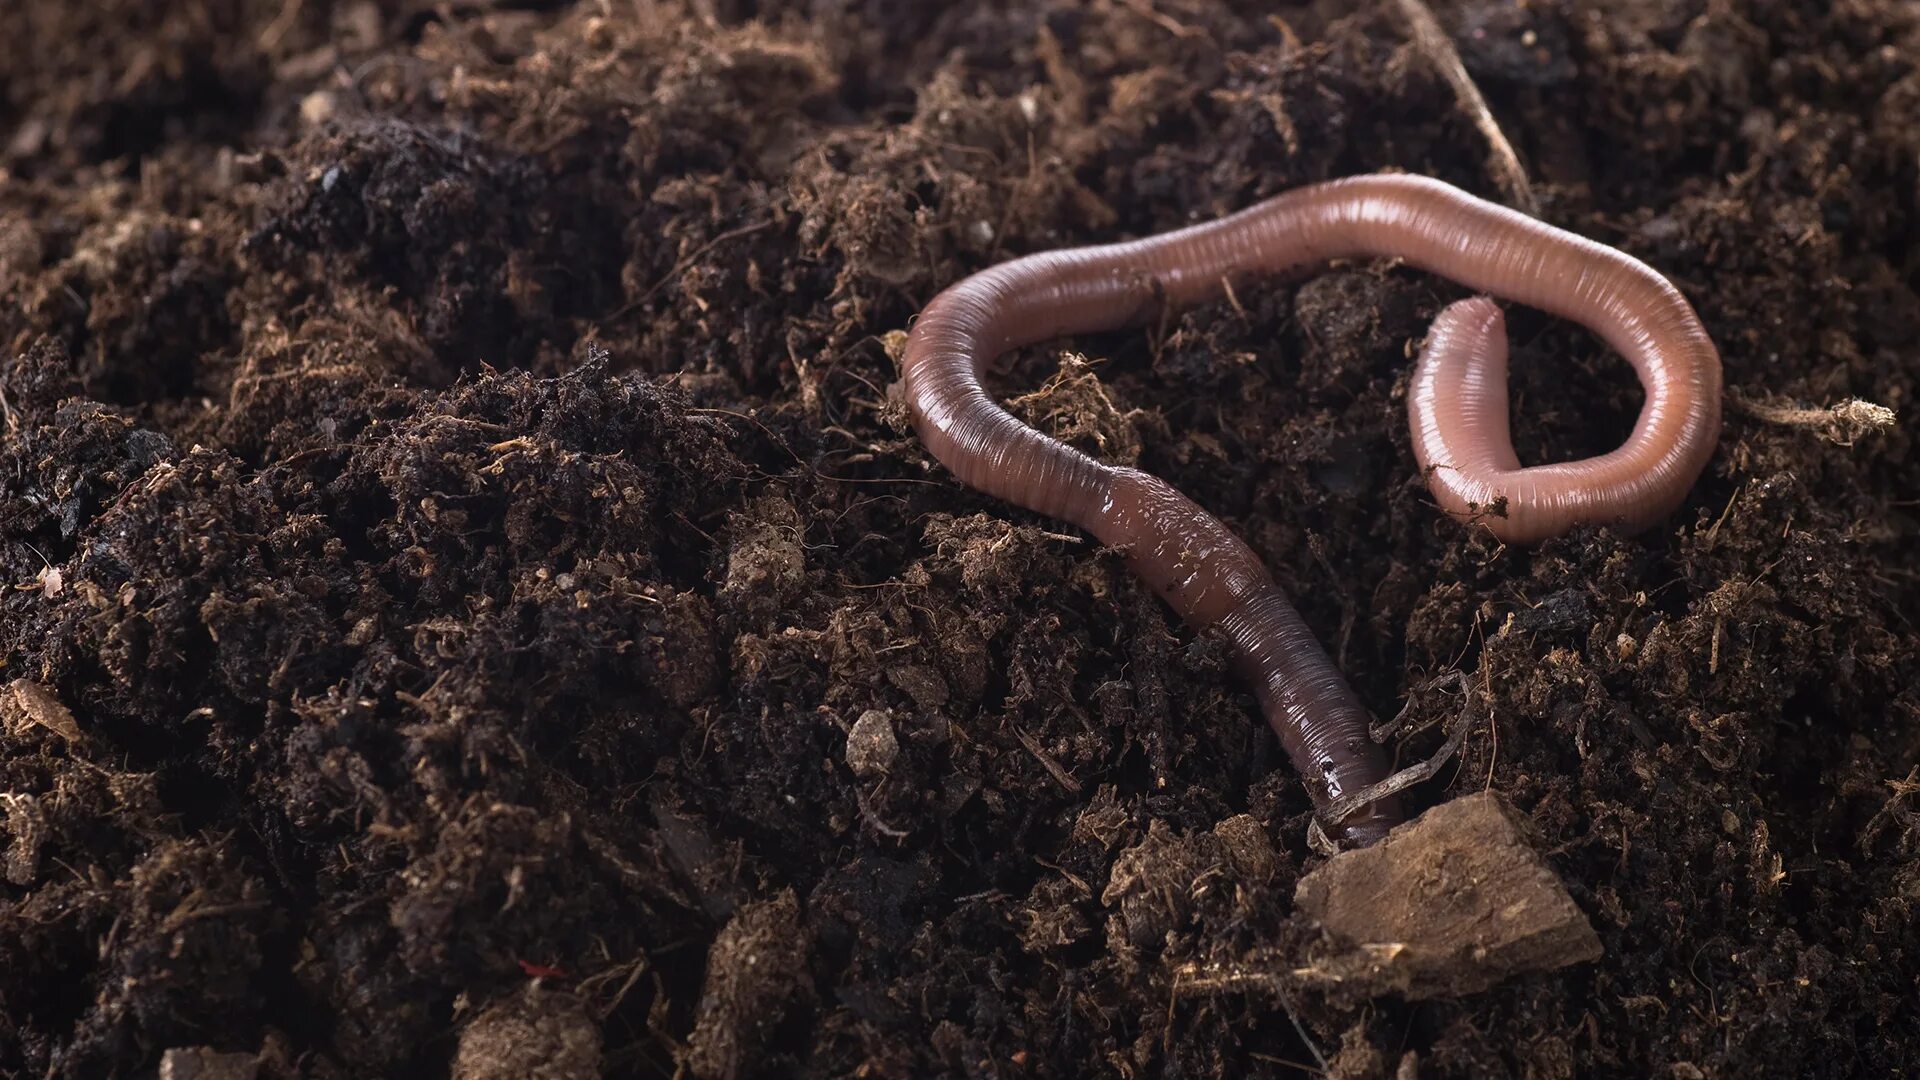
456, 522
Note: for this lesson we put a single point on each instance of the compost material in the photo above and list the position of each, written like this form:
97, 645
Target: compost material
472, 586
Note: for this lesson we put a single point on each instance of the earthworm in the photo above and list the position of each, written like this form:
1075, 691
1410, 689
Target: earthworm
1457, 409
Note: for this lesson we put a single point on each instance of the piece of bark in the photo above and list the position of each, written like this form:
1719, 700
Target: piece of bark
206, 1063
1446, 905
25, 703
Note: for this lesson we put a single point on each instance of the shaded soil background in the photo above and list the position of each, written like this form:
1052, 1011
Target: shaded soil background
478, 602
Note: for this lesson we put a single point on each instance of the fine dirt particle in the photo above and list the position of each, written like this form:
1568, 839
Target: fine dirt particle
1448, 904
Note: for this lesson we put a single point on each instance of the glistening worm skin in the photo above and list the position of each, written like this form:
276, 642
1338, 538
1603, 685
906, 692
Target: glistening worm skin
1457, 409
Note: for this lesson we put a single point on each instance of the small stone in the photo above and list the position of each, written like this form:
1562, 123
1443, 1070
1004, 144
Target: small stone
319, 108
205, 1063
1447, 905
871, 745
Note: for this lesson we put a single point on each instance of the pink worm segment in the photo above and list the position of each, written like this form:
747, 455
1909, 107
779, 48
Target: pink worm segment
1457, 409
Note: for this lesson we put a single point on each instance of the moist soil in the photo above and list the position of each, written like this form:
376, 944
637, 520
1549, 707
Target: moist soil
475, 605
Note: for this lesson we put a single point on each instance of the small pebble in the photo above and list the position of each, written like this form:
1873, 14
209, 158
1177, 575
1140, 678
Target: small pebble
871, 746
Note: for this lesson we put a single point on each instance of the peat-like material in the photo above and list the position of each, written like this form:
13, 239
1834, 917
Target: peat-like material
475, 604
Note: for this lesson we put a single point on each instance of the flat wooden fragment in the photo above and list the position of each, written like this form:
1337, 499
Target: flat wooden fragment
1448, 904
25, 703
204, 1063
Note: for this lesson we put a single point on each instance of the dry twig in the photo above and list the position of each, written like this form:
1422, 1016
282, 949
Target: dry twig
1429, 38
1842, 424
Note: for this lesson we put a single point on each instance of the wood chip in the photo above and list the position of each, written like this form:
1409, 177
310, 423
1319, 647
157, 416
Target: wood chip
27, 703
1449, 904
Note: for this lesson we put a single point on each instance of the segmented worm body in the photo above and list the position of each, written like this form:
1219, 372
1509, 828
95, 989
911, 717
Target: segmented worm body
1457, 409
